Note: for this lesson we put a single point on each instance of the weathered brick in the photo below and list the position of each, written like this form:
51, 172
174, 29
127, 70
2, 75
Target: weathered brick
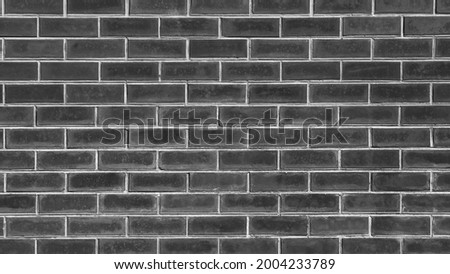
157, 49
248, 246
426, 159
17, 203
426, 25
18, 27
66, 246
370, 246
401, 137
400, 182
154, 94
281, 7
16, 160
8, 246
342, 6
308, 159
157, 226
139, 71
96, 226
34, 138
247, 160
340, 182
189, 27
34, 49
174, 7
350, 137
441, 182
370, 159
358, 26
278, 226
311, 71
34, 7
426, 246
95, 94
62, 160
212, 93
67, 203
371, 203
222, 182
69, 71
403, 6
248, 203
188, 246
264, 71
426, 70
426, 203
278, 182
333, 93
217, 226
35, 227
96, 182
299, 27
250, 27
96, 7
35, 182
310, 246
403, 48
132, 27
190, 71
127, 160
404, 93
187, 115
372, 115
441, 226
270, 93
279, 49
219, 6
371, 71
316, 203
105, 48
192, 203
127, 246
68, 27
34, 94
443, 6
127, 204
334, 226
403, 226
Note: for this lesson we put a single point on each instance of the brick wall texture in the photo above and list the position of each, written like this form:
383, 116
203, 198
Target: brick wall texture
225, 126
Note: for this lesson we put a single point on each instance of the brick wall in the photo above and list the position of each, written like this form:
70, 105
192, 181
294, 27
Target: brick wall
225, 126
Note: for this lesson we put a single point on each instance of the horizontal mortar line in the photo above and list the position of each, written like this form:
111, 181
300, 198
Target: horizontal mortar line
215, 171
228, 215
227, 15
225, 193
224, 149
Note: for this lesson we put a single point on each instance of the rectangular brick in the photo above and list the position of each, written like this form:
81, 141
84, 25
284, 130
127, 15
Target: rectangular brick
342, 6
402, 48
157, 226
127, 246
188, 160
67, 203
68, 27
219, 6
342, 93
35, 182
359, 26
34, 7
17, 203
348, 48
254, 71
189, 27
277, 93
154, 94
188, 204
248, 160
401, 137
370, 203
126, 160
433, 115
339, 226
34, 138
12, 160
371, 71
223, 48
370, 246
96, 226
426, 246
132, 27
403, 6
442, 6
311, 71
95, 94
127, 204
17, 246
278, 182
250, 27
213, 93
34, 94
35, 227
18, 27
217, 226
400, 182
248, 246
189, 246
34, 49
300, 27
423, 26
237, 203
401, 93
278, 226
340, 181
96, 7
174, 7
217, 182
403, 226
139, 71
101, 182
313, 203
281, 7
65, 116
69, 71
104, 48
426, 159
18, 71
382, 115
61, 160
157, 49
63, 246
308, 159
190, 71
426, 203
16, 116
279, 49
370, 159
310, 246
